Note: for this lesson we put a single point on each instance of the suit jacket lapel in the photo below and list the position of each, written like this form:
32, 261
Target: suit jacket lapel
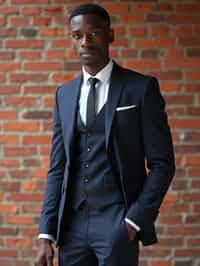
115, 89
71, 107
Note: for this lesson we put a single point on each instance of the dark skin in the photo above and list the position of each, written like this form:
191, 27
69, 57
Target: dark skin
91, 38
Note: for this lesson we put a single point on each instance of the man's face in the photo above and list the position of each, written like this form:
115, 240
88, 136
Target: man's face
91, 38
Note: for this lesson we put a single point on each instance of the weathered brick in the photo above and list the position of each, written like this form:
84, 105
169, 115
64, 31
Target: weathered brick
37, 115
28, 32
159, 38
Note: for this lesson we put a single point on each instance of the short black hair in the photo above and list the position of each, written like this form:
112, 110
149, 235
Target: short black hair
91, 8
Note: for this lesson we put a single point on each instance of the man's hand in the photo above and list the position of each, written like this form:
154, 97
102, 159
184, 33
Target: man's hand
131, 231
45, 253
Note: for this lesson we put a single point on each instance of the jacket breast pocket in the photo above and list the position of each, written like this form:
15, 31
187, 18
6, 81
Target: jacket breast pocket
127, 117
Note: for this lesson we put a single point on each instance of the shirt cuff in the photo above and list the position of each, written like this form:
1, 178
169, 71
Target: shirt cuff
46, 236
136, 227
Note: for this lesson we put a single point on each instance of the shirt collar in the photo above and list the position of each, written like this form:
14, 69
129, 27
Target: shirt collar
103, 75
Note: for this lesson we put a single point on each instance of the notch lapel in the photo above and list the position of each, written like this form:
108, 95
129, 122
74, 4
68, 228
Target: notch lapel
70, 107
114, 93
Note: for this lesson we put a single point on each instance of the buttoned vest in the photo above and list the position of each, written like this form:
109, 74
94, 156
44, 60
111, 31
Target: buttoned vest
91, 177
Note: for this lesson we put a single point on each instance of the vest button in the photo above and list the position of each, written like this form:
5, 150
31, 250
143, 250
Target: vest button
88, 149
86, 165
86, 180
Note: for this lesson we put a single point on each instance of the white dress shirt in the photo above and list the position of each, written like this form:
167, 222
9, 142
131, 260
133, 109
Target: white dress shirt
101, 97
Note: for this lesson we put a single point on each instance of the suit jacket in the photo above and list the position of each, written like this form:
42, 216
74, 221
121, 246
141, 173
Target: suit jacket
137, 137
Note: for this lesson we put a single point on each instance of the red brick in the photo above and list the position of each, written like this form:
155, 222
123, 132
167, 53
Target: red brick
136, 19
19, 242
49, 102
170, 86
182, 31
7, 231
19, 21
55, 54
19, 174
31, 208
20, 151
24, 197
193, 242
30, 186
21, 126
2, 77
2, 20
39, 89
183, 230
10, 163
10, 186
160, 263
60, 43
26, 101
30, 55
8, 253
18, 44
143, 64
192, 75
187, 253
4, 67
51, 32
192, 219
42, 66
185, 123
175, 219
191, 160
179, 99
28, 11
154, 43
36, 140
188, 8
12, 209
29, 2
164, 7
189, 42
183, 19
62, 77
9, 139
41, 21
120, 8
182, 63
9, 10
159, 38
8, 115
194, 172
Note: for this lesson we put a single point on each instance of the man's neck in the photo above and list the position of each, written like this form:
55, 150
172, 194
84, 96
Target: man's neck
93, 70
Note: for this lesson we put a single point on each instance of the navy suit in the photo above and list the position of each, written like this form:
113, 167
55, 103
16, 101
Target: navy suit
134, 134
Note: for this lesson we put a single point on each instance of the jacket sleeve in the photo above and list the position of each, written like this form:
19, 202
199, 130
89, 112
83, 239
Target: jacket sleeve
49, 215
159, 156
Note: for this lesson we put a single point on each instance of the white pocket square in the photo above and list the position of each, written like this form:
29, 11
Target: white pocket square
122, 108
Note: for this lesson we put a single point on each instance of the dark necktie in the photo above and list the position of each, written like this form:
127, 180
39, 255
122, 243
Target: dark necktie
91, 105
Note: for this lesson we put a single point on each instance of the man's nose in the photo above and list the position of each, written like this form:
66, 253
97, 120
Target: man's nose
85, 41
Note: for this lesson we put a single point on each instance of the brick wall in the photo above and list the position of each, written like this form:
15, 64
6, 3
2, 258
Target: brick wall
159, 37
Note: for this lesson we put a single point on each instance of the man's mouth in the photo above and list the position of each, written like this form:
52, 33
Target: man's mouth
87, 54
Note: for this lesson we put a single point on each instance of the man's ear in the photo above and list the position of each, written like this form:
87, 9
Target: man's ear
111, 35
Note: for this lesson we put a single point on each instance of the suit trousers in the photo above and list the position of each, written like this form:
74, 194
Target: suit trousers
97, 238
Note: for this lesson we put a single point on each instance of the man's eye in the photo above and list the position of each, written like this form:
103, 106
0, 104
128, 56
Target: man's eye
76, 36
95, 33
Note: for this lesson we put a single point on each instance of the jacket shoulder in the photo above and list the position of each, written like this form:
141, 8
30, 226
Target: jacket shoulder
69, 86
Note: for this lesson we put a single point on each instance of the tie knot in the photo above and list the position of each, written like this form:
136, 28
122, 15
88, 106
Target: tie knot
93, 81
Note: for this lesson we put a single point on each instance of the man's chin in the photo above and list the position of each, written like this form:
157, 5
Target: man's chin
87, 61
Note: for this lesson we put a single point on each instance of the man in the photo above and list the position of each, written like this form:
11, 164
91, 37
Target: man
99, 199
